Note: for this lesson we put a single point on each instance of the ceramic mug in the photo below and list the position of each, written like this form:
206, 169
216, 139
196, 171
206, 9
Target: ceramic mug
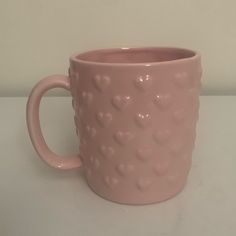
135, 114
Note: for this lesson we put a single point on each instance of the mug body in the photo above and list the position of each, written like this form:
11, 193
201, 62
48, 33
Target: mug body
135, 114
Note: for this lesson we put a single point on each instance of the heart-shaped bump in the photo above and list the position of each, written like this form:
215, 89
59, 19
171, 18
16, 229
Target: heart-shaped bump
143, 120
124, 169
162, 136
144, 154
110, 181
94, 162
106, 151
163, 101
87, 98
101, 82
120, 102
179, 116
173, 178
161, 168
143, 83
177, 148
193, 93
123, 137
144, 184
104, 119
186, 157
181, 79
91, 131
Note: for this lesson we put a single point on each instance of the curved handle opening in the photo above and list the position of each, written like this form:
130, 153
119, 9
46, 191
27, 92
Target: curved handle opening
33, 123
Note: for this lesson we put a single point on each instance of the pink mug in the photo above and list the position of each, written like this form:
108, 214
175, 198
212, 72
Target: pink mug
135, 114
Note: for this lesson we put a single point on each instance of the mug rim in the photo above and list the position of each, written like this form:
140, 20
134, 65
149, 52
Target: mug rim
76, 57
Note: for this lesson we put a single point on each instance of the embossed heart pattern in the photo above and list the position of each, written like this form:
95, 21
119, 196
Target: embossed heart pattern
135, 115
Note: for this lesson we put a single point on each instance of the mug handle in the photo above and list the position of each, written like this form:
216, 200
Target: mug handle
33, 123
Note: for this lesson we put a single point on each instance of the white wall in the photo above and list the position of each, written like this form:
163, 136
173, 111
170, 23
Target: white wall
37, 36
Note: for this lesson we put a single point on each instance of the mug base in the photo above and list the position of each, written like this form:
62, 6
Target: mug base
137, 200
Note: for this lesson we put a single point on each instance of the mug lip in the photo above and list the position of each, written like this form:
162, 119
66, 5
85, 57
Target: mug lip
74, 56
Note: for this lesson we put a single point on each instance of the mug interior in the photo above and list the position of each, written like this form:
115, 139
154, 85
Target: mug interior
135, 55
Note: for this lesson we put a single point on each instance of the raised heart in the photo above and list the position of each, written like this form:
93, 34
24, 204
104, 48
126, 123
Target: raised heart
123, 137
143, 83
104, 119
110, 181
144, 154
177, 148
179, 116
162, 136
143, 184
181, 79
124, 169
101, 82
107, 151
87, 97
121, 102
163, 101
161, 168
91, 131
94, 162
143, 120
172, 178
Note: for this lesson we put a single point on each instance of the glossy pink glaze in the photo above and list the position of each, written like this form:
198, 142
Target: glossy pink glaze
54, 81
135, 114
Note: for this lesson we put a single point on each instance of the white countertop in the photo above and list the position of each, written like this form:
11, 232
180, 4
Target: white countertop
37, 200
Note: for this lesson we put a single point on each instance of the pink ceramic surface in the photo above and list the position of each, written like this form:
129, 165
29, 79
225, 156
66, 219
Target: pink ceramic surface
135, 114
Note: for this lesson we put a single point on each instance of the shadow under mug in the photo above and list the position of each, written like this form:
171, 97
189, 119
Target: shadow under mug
135, 114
